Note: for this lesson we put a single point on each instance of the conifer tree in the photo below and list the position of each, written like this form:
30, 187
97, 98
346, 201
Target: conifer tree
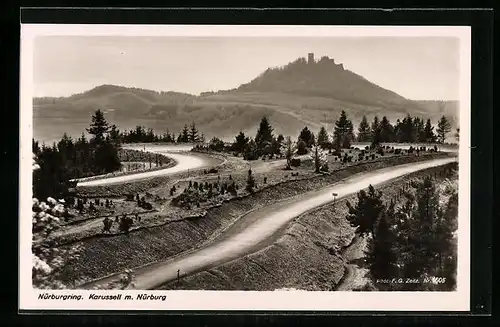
375, 126
364, 132
343, 134
422, 250
289, 150
318, 157
184, 136
264, 136
443, 128
429, 132
193, 133
307, 136
381, 256
386, 130
323, 140
301, 147
99, 127
366, 213
240, 142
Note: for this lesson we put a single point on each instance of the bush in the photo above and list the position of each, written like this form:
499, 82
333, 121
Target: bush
295, 162
125, 224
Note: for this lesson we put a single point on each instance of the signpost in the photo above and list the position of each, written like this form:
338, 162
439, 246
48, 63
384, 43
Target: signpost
334, 196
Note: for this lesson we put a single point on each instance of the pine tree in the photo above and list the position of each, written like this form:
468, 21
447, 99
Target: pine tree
422, 238
193, 133
381, 256
99, 127
386, 130
301, 147
376, 138
367, 211
364, 132
443, 128
264, 136
288, 150
418, 125
407, 130
307, 136
318, 157
375, 126
429, 132
343, 134
184, 134
398, 131
251, 151
323, 140
240, 142
115, 135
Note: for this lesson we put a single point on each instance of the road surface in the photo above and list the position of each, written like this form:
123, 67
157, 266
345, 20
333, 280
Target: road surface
254, 230
184, 162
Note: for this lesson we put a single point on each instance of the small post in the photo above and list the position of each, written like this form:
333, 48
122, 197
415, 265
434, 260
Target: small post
334, 196
178, 276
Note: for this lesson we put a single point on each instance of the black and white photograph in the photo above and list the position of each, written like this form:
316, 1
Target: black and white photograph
309, 162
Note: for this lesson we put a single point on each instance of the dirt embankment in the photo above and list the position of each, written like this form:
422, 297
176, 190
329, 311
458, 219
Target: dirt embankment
107, 255
317, 252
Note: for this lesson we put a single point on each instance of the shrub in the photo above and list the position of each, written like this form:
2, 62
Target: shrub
295, 162
125, 224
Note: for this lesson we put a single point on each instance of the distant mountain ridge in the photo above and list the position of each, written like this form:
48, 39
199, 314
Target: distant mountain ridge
303, 92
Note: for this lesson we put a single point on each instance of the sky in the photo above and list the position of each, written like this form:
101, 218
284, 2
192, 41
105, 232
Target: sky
418, 68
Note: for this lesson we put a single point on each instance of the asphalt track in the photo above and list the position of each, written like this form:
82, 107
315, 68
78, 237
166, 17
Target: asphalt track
260, 227
184, 162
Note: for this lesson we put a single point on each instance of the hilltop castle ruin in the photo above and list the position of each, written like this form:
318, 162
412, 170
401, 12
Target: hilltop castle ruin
323, 60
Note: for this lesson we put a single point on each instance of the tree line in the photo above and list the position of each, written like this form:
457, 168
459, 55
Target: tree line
188, 134
413, 240
265, 143
408, 130
69, 159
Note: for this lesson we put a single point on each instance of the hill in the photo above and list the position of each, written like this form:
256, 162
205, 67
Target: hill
300, 93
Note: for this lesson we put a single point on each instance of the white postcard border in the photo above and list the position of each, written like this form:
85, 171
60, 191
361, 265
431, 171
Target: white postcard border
246, 300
